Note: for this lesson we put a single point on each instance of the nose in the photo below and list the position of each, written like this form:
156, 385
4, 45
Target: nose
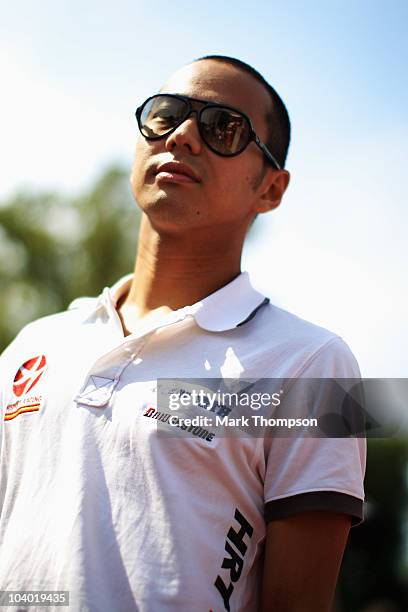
186, 135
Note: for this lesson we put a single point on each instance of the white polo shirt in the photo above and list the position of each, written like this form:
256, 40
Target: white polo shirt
96, 500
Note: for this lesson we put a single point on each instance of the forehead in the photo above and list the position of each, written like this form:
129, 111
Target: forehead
216, 81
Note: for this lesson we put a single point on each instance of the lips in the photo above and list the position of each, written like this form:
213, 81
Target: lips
178, 168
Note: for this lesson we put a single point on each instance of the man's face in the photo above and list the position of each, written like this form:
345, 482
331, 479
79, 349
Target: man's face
229, 188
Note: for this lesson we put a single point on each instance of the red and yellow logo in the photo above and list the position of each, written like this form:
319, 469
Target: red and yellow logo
26, 378
28, 375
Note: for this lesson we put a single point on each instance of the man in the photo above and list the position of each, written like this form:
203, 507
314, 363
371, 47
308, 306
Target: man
97, 498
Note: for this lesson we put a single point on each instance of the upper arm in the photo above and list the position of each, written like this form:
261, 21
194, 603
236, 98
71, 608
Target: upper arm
302, 559
313, 490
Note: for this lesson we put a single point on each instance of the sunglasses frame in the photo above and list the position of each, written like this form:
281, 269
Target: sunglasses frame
252, 137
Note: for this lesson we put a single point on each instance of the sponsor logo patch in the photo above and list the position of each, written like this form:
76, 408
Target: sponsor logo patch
26, 378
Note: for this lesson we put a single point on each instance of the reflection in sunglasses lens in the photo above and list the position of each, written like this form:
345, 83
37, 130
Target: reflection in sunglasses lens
225, 131
160, 115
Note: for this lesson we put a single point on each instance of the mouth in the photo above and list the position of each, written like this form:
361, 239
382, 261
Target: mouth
176, 172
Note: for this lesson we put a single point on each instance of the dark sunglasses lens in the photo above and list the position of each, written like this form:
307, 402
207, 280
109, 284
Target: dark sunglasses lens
225, 131
160, 115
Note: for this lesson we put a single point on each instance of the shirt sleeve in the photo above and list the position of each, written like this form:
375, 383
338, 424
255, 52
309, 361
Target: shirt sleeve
317, 472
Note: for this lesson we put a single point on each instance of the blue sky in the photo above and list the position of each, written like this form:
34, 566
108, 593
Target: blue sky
335, 251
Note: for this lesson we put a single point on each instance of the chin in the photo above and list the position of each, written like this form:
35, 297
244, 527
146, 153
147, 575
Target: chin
169, 215
167, 205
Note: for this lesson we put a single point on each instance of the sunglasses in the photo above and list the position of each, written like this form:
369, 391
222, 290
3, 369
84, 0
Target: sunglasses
224, 129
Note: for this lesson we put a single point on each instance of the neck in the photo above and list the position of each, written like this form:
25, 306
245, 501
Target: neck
179, 269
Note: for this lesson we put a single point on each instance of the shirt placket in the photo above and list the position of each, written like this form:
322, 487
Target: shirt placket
105, 374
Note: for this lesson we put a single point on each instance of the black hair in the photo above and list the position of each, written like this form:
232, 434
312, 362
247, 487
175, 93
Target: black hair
277, 117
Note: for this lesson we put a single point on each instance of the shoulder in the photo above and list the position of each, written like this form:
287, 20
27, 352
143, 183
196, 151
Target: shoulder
48, 330
298, 347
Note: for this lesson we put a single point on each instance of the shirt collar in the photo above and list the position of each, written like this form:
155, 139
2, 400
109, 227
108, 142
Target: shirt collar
227, 308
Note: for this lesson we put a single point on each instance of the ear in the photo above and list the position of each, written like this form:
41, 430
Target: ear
272, 189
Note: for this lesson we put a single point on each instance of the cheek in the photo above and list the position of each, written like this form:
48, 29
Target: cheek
251, 177
239, 191
142, 152
139, 166
236, 182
